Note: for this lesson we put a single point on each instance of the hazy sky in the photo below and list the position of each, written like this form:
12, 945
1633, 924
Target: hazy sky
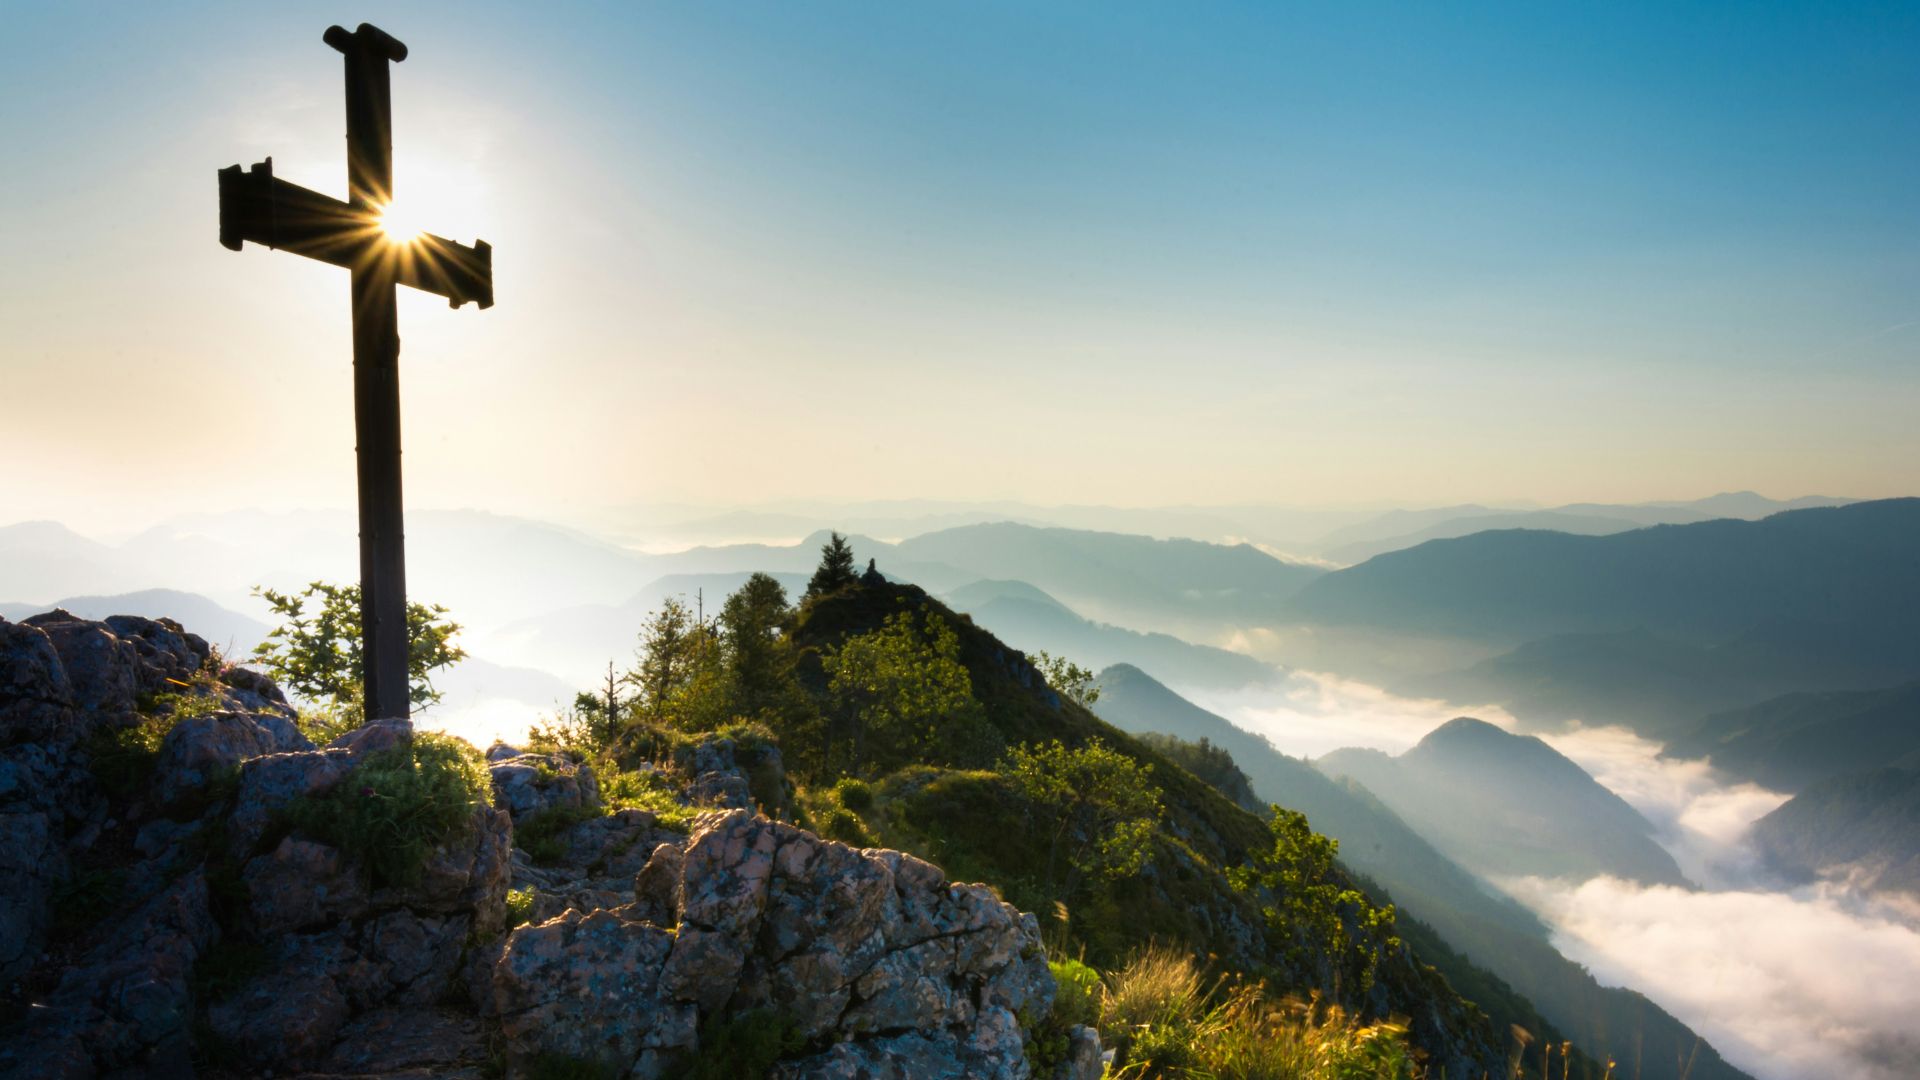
1134, 253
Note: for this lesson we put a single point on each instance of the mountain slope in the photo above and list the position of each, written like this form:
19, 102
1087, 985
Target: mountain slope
1509, 805
1790, 742
1865, 826
1480, 928
969, 821
1029, 619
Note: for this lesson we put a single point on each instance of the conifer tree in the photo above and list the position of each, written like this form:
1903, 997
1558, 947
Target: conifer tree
836, 568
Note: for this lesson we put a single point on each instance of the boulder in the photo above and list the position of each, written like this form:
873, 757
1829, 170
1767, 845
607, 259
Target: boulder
103, 672
200, 748
302, 884
269, 782
37, 801
126, 1004
164, 653
877, 952
36, 700
530, 783
732, 774
422, 1041
587, 986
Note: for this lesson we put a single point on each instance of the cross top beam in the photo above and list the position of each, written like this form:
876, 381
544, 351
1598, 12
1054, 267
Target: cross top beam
255, 205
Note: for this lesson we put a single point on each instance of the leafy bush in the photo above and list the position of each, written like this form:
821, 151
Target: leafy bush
845, 826
645, 789
1097, 807
1076, 1000
1311, 912
399, 805
519, 907
317, 655
854, 794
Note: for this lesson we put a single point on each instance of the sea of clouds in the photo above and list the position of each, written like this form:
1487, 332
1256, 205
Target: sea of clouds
1788, 982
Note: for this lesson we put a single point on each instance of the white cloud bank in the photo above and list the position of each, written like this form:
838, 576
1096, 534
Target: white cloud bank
1788, 984
1806, 985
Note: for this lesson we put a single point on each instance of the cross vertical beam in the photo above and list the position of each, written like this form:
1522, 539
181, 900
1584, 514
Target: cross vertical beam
255, 205
376, 377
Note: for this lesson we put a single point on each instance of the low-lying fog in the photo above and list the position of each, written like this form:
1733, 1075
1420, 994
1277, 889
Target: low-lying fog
1789, 983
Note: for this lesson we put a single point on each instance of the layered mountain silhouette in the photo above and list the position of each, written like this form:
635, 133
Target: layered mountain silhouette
1510, 805
1459, 923
1029, 619
1654, 626
1791, 742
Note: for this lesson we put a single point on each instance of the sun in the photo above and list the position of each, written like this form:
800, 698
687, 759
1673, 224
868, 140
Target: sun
398, 227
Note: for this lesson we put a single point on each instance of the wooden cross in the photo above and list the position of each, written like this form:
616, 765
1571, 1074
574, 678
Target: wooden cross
256, 206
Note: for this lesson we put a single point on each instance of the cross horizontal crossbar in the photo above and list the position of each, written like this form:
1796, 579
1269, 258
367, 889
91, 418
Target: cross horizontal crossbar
258, 206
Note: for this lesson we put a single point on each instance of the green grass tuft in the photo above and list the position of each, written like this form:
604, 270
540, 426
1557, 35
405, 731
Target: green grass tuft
854, 794
399, 805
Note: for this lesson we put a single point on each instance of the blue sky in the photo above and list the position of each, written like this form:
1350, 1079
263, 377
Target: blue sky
1136, 254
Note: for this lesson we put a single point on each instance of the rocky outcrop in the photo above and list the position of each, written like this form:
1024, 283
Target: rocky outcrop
733, 774
200, 749
227, 935
872, 952
529, 783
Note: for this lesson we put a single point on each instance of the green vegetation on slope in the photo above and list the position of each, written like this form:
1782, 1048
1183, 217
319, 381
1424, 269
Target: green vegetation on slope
1494, 952
905, 725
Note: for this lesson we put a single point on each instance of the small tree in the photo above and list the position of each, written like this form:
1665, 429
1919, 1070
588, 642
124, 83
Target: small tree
753, 625
836, 568
1068, 678
1096, 806
317, 654
1316, 917
901, 692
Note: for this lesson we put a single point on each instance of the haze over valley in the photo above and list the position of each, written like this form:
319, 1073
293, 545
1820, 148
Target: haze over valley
1639, 757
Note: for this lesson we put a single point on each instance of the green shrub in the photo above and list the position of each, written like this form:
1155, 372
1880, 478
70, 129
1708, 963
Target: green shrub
399, 805
744, 1046
854, 794
519, 907
845, 826
121, 759
647, 790
1076, 1000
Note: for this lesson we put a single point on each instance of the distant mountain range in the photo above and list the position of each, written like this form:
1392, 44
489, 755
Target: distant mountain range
1652, 627
1029, 619
1400, 529
1864, 827
1793, 742
1447, 912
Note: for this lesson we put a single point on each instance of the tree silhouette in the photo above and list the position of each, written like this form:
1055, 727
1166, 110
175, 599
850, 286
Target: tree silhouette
836, 568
